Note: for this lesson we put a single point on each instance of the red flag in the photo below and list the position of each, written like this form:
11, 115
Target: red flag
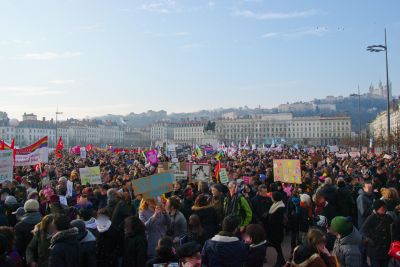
59, 147
2, 145
13, 149
217, 168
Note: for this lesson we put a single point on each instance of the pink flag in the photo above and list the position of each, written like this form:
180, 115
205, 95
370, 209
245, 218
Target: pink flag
152, 156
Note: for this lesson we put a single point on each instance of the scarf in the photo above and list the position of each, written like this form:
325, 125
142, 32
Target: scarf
275, 206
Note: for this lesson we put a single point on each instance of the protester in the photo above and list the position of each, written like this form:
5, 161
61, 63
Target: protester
64, 244
364, 203
207, 215
178, 224
165, 253
376, 230
87, 244
261, 204
255, 239
275, 226
313, 252
135, 244
236, 204
225, 249
347, 244
12, 253
189, 255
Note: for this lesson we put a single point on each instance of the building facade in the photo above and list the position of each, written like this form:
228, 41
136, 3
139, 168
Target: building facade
187, 132
378, 127
313, 130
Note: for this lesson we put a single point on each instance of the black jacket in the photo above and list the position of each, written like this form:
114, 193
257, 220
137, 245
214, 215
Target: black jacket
23, 231
275, 226
345, 202
135, 250
208, 218
119, 211
256, 255
260, 206
88, 250
65, 249
377, 231
108, 247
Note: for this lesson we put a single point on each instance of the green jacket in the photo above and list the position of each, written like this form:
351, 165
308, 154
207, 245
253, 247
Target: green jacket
239, 206
38, 250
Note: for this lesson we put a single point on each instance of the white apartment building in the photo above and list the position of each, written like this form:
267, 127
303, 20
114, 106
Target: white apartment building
29, 131
188, 132
7, 133
301, 130
378, 127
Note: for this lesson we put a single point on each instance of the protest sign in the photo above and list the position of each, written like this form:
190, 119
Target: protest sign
83, 152
90, 175
6, 165
287, 171
180, 175
246, 179
354, 154
152, 156
201, 172
341, 155
153, 185
223, 176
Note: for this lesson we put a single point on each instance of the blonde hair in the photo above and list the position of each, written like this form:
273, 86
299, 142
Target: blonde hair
390, 193
144, 204
43, 225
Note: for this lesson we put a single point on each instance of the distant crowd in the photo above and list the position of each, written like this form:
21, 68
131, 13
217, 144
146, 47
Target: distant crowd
345, 212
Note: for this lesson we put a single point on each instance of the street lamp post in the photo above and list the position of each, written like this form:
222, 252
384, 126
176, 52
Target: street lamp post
380, 48
57, 113
359, 118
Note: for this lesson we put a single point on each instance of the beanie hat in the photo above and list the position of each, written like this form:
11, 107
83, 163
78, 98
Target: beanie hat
342, 225
10, 200
277, 196
378, 204
305, 198
31, 205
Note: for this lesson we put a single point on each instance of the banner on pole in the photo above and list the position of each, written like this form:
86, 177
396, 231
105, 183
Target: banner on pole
6, 165
287, 171
33, 154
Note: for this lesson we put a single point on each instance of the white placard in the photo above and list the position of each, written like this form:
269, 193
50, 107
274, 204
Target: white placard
6, 165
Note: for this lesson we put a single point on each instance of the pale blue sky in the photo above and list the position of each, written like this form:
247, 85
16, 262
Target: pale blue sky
96, 57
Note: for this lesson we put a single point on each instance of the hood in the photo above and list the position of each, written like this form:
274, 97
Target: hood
352, 239
103, 225
225, 239
303, 255
91, 224
32, 217
88, 238
64, 236
275, 206
196, 208
223, 246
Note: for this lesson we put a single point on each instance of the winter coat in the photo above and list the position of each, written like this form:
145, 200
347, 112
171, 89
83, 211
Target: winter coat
186, 207
135, 250
330, 212
23, 231
208, 219
65, 249
224, 251
92, 226
156, 228
109, 242
260, 206
377, 231
347, 249
178, 225
88, 250
299, 219
305, 256
275, 223
364, 207
238, 205
330, 193
256, 254
218, 204
118, 210
38, 250
345, 203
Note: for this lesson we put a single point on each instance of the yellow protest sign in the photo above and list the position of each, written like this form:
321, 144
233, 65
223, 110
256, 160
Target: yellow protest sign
287, 171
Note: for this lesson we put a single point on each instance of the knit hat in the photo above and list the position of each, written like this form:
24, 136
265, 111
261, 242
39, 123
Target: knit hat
342, 225
31, 205
277, 196
305, 198
19, 212
10, 200
378, 204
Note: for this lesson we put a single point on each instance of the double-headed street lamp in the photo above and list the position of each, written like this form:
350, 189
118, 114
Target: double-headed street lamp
381, 48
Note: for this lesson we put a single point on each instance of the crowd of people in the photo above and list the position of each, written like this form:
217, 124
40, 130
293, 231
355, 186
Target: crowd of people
345, 212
